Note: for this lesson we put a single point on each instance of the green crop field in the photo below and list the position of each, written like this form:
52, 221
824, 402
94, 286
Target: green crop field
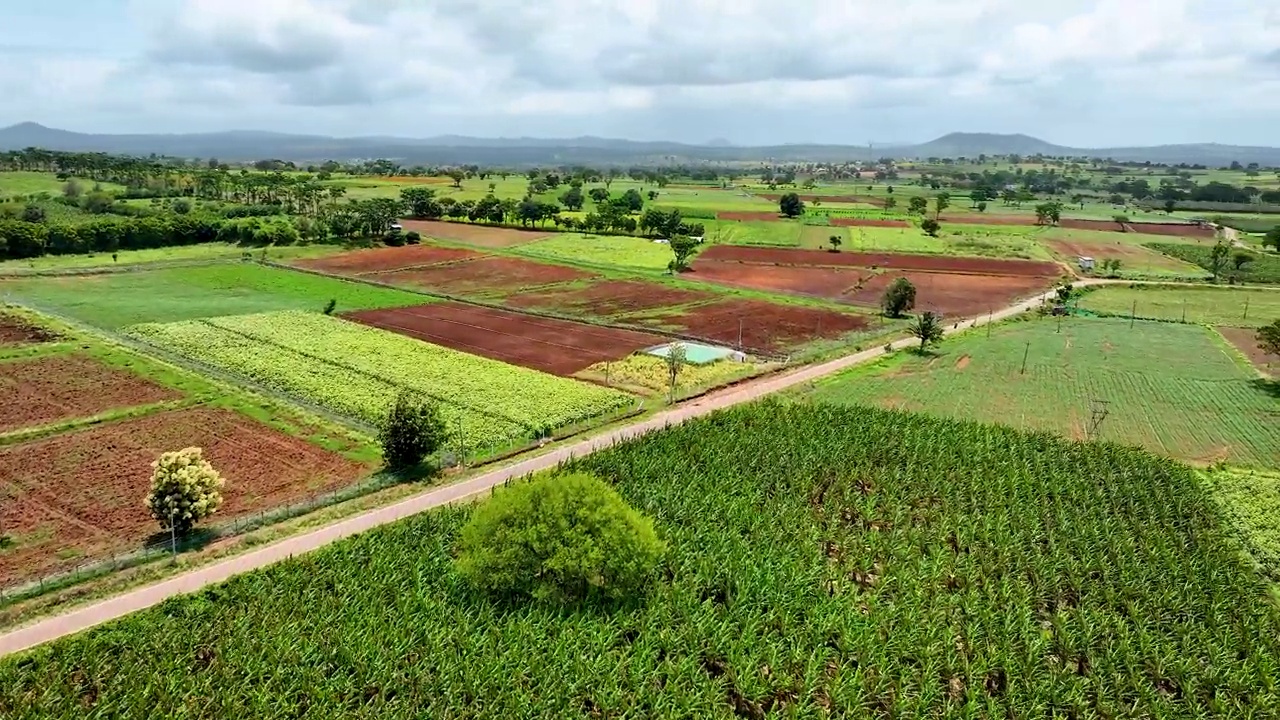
32, 183
1262, 267
623, 253
179, 253
357, 371
821, 562
1230, 307
733, 232
117, 300
1175, 389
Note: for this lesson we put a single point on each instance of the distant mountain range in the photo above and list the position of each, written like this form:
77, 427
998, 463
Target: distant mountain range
241, 145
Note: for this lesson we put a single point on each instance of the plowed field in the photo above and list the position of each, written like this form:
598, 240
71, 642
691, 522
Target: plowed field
474, 234
1132, 257
1171, 229
1246, 340
764, 326
16, 331
359, 262
487, 275
44, 390
953, 295
611, 298
928, 263
555, 346
815, 281
78, 496
865, 199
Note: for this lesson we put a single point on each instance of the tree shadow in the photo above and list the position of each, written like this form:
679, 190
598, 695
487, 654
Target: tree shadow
1268, 386
197, 539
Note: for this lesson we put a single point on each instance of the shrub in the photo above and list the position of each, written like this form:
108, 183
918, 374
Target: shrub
184, 490
412, 430
566, 538
413, 237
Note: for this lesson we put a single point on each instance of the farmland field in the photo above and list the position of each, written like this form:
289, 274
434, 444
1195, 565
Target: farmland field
555, 346
624, 253
15, 330
180, 253
953, 295
357, 371
378, 260
118, 300
43, 390
895, 261
1263, 267
473, 234
1174, 389
1246, 341
78, 496
859, 563
1236, 307
490, 277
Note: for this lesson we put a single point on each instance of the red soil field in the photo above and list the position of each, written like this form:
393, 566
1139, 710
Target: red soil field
1246, 340
1172, 229
611, 298
765, 326
864, 199
78, 496
17, 331
861, 222
750, 216
561, 347
486, 275
359, 262
474, 234
45, 390
822, 258
983, 219
951, 294
815, 281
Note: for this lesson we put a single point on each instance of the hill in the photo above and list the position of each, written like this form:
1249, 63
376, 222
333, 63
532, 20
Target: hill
446, 149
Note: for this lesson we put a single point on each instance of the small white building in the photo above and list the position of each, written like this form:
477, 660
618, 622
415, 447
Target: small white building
1086, 263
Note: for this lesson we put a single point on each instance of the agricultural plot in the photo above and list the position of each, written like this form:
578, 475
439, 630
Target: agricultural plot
15, 330
1246, 341
1261, 267
759, 326
121, 299
44, 390
1136, 261
895, 261
489, 277
134, 259
1174, 389
357, 371
1232, 307
952, 295
473, 233
623, 253
649, 374
555, 346
730, 232
858, 563
608, 299
822, 282
377, 260
77, 496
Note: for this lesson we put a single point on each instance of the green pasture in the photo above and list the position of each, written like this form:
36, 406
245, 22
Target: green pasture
1176, 389
184, 253
120, 299
1230, 307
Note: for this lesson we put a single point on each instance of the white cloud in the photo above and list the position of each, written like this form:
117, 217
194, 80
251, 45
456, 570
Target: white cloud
766, 68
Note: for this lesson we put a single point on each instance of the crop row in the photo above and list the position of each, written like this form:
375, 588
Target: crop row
356, 370
822, 562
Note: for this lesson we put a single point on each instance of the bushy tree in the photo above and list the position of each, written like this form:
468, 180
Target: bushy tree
412, 430
790, 205
563, 538
899, 298
927, 329
917, 205
682, 246
1269, 338
1272, 238
185, 489
930, 227
572, 199
1218, 258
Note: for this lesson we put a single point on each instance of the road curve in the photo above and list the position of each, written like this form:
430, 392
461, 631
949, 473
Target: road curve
74, 621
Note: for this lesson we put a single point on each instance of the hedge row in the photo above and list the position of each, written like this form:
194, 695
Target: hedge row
20, 239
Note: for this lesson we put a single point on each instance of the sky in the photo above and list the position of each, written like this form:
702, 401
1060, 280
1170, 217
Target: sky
1084, 73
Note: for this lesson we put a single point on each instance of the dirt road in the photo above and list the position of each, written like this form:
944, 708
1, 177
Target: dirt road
86, 617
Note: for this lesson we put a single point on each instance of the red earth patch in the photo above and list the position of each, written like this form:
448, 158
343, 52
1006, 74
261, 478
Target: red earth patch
376, 260
951, 294
896, 261
45, 390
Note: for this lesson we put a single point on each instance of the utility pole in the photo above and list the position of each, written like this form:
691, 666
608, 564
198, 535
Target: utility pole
1025, 353
1098, 413
1133, 312
1246, 307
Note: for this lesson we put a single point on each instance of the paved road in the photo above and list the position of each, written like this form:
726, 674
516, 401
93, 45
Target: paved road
80, 619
